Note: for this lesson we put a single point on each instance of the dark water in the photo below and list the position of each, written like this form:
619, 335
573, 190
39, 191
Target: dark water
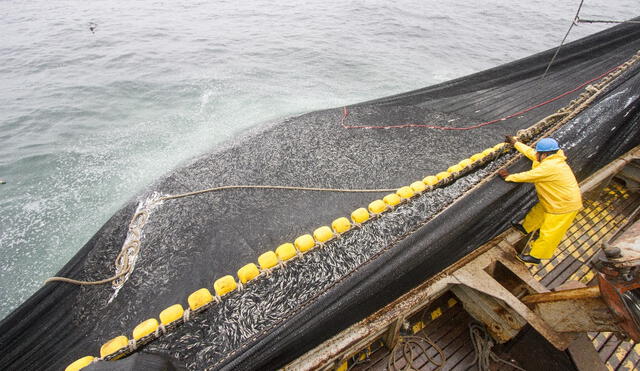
89, 118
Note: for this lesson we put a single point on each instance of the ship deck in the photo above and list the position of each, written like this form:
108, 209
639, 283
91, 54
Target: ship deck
445, 324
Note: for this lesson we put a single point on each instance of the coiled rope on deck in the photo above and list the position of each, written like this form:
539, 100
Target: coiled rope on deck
406, 344
482, 344
421, 340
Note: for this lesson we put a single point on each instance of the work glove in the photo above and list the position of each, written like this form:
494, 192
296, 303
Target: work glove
504, 173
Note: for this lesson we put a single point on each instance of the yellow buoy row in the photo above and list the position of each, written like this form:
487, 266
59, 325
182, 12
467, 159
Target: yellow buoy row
197, 300
286, 251
339, 226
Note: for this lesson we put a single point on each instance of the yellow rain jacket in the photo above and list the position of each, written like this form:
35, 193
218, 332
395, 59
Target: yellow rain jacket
555, 183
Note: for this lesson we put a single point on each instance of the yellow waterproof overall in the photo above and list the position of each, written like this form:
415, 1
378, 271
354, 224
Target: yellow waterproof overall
552, 228
559, 195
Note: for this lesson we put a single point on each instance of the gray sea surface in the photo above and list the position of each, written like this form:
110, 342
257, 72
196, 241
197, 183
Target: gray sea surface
89, 118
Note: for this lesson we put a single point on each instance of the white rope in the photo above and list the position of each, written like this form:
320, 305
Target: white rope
133, 345
482, 344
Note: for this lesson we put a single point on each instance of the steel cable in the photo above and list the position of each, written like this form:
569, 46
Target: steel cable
573, 23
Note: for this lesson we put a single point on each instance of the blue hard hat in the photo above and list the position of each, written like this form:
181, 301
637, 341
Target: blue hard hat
547, 145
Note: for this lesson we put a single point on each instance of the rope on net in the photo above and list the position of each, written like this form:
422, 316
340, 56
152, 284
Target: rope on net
292, 188
123, 262
125, 259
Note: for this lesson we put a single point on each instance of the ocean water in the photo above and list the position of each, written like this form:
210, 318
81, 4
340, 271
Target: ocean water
88, 119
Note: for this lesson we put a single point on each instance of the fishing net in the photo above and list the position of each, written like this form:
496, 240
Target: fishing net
189, 242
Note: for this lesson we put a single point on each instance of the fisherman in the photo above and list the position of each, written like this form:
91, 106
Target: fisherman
558, 195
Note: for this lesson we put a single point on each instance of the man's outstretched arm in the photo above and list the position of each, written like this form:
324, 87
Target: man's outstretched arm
539, 174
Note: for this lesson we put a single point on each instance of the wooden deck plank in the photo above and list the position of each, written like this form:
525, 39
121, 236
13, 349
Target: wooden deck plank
439, 331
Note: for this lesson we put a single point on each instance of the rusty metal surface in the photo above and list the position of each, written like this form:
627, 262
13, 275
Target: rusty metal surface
574, 310
616, 304
569, 294
578, 315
